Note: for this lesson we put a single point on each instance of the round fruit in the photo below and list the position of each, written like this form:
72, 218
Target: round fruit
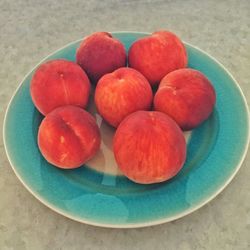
57, 83
156, 55
149, 147
99, 54
187, 96
121, 93
68, 137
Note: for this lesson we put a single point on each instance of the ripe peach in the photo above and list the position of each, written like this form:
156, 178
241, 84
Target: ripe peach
68, 137
149, 147
100, 53
121, 93
187, 96
57, 83
156, 55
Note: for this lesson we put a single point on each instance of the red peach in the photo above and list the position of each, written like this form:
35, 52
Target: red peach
57, 83
149, 147
156, 55
187, 96
121, 93
99, 54
68, 137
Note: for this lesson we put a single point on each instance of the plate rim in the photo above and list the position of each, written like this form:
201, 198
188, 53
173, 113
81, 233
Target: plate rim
142, 224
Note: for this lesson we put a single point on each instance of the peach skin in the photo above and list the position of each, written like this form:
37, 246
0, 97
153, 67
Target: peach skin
187, 96
149, 147
68, 137
57, 83
156, 55
99, 54
121, 93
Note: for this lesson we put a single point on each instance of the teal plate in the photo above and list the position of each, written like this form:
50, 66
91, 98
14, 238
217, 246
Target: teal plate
98, 194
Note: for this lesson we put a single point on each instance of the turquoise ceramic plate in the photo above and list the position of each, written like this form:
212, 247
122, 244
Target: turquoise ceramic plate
98, 194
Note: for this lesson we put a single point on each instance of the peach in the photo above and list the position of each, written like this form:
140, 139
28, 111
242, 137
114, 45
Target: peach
156, 55
68, 137
149, 147
121, 93
99, 54
57, 83
187, 96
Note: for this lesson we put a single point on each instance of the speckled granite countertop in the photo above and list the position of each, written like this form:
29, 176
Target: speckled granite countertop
32, 29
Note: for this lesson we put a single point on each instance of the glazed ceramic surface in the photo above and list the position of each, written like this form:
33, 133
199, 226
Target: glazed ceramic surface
98, 193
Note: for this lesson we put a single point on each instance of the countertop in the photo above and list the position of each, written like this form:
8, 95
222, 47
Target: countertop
31, 29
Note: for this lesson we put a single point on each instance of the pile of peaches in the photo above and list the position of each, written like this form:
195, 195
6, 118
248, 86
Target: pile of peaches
151, 97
